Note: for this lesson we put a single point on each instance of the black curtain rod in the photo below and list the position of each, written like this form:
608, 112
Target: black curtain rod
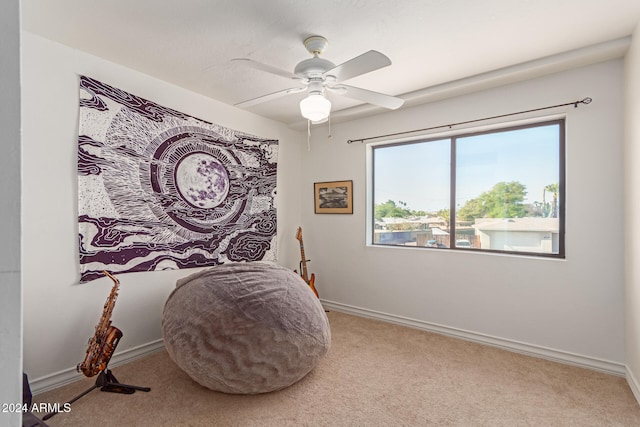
574, 103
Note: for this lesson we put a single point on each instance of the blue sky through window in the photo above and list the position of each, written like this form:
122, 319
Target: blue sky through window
418, 174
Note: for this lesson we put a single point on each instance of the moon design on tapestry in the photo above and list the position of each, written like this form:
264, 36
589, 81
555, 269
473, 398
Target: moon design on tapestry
201, 180
159, 189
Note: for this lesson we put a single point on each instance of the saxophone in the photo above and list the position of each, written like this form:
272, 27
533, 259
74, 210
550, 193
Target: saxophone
104, 341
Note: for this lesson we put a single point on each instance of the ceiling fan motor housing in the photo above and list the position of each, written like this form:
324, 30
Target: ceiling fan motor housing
313, 67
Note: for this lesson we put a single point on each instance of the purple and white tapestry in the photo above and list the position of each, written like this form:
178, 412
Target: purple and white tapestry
159, 189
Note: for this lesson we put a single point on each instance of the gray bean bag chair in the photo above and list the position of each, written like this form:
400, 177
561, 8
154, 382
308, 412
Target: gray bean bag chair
245, 328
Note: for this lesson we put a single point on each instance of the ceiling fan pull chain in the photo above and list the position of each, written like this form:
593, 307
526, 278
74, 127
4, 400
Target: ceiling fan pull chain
329, 137
308, 135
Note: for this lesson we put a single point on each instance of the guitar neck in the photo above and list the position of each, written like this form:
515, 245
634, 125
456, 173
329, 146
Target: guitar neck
303, 263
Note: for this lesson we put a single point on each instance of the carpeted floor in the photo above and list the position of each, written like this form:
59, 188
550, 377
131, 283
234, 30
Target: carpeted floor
375, 374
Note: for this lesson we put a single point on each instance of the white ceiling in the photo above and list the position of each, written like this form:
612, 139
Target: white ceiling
190, 43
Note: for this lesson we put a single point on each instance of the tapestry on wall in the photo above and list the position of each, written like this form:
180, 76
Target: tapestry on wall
159, 189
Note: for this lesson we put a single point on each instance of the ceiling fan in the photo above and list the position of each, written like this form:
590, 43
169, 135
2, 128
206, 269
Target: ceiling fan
317, 75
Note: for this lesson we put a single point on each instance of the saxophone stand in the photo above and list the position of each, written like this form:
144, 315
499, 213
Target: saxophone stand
107, 382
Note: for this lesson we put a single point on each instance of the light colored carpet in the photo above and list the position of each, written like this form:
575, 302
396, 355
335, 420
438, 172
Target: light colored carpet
375, 374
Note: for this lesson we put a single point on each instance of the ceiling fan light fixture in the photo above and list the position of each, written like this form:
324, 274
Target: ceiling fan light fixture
315, 107
326, 119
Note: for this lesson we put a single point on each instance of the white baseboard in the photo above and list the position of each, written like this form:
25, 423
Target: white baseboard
68, 376
633, 384
605, 366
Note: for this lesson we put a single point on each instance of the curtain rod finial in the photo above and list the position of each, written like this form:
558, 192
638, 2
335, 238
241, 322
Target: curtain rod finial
585, 101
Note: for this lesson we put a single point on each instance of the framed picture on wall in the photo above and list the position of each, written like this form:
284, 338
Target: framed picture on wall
334, 197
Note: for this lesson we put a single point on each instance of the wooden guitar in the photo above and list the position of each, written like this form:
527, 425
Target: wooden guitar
303, 265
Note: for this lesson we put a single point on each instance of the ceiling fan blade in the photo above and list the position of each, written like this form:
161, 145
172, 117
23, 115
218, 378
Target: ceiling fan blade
371, 97
269, 97
365, 63
264, 67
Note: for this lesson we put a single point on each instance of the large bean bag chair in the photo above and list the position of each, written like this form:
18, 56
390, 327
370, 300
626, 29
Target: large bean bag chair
245, 328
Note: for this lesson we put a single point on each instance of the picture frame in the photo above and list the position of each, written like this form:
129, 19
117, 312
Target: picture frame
333, 197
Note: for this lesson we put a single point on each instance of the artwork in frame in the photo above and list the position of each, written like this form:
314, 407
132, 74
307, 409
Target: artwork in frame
335, 197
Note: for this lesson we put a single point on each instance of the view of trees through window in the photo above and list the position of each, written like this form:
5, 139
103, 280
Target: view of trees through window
497, 191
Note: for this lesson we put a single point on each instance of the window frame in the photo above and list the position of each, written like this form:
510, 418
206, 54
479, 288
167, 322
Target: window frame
453, 136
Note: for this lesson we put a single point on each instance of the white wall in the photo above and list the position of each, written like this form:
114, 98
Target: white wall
570, 309
632, 207
10, 322
59, 314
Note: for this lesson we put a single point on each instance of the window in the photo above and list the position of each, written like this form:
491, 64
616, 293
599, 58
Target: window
498, 191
